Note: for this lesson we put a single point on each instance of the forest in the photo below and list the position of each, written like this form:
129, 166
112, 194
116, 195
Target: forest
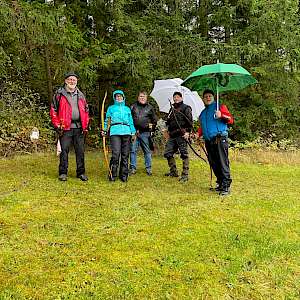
128, 44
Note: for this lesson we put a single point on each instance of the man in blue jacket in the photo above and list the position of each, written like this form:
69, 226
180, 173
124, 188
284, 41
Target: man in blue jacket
214, 129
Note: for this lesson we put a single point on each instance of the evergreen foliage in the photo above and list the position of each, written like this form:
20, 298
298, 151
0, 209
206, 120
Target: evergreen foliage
128, 44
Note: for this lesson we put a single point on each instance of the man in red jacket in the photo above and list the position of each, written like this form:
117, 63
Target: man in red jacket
70, 118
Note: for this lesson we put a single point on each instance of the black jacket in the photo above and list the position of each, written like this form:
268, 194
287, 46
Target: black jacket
180, 119
142, 116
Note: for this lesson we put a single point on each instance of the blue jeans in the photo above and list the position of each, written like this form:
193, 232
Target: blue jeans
143, 141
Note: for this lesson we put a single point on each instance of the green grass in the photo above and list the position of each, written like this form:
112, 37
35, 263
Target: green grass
151, 238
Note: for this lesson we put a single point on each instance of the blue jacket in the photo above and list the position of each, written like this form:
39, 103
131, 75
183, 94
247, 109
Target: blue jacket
121, 122
212, 127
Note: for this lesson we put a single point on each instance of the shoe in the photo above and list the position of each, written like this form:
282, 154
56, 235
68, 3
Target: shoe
184, 178
132, 172
172, 174
216, 189
149, 172
225, 191
63, 177
124, 178
83, 177
112, 178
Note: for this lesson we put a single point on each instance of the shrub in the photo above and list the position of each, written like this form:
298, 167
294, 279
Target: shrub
20, 112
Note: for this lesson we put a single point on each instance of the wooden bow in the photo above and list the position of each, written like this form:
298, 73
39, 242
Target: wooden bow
105, 151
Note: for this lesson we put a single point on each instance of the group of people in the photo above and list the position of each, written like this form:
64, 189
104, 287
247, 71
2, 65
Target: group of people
132, 127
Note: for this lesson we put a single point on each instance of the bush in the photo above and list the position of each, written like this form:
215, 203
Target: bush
20, 112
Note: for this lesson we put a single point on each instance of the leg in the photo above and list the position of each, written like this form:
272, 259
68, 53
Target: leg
213, 160
125, 149
115, 143
144, 141
65, 142
182, 145
78, 141
224, 165
171, 148
133, 155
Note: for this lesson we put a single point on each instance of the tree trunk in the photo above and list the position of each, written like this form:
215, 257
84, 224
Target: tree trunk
48, 73
203, 18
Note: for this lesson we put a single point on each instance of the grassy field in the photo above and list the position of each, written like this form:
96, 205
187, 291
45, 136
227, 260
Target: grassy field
151, 238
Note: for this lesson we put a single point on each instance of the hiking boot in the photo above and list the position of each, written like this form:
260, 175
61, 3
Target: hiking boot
110, 178
172, 174
132, 172
63, 177
124, 178
172, 165
149, 172
184, 178
216, 189
83, 177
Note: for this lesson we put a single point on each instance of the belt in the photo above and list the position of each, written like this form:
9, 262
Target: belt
120, 124
216, 139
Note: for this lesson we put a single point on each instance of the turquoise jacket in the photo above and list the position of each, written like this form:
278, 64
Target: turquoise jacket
119, 117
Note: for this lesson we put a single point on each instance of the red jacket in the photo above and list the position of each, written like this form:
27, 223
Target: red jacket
61, 110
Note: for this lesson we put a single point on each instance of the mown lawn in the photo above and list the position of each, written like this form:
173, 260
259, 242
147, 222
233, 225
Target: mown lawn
151, 238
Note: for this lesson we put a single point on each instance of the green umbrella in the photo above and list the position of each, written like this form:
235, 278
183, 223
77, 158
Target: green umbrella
219, 78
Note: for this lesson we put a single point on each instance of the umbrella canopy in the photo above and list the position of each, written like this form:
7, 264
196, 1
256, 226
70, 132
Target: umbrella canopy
163, 93
220, 78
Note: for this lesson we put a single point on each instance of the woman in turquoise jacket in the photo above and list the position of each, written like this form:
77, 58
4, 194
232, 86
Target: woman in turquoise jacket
119, 123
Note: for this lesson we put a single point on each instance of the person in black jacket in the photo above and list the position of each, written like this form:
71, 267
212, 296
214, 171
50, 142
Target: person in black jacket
145, 120
179, 123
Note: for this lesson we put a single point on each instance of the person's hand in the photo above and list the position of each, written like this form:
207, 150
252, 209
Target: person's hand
186, 136
218, 114
137, 134
85, 133
150, 126
103, 133
133, 138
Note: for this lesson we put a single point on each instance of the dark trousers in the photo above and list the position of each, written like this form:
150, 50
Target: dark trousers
175, 144
75, 136
120, 148
217, 150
